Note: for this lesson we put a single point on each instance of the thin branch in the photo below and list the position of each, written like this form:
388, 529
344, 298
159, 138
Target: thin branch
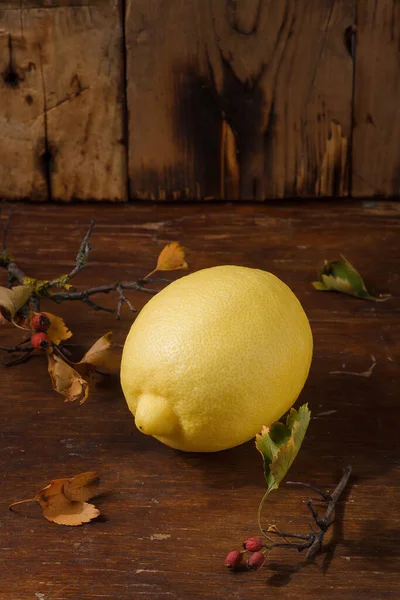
42, 288
336, 494
83, 295
13, 349
313, 541
285, 534
81, 257
20, 359
35, 301
299, 547
121, 300
102, 289
14, 272
95, 306
321, 493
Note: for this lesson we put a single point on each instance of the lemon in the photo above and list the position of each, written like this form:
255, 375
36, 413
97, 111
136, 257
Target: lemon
214, 357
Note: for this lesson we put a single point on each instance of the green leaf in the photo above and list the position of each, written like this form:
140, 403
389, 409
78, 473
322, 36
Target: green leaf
321, 287
280, 443
11, 300
341, 276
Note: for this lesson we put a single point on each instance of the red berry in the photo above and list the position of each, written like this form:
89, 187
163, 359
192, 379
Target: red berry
253, 544
40, 322
233, 559
256, 561
40, 341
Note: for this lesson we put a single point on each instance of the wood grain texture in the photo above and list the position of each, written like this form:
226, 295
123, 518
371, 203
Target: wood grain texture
248, 99
22, 131
284, 78
376, 151
174, 117
70, 107
169, 517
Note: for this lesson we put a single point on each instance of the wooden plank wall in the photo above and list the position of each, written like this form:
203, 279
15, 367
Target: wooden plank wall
62, 100
199, 99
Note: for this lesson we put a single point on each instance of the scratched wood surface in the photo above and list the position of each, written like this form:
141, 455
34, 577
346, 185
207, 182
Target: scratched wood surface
62, 101
169, 518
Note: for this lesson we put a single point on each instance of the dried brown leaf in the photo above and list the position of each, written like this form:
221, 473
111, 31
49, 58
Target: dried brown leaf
70, 513
102, 356
81, 487
57, 331
171, 258
11, 300
63, 501
66, 380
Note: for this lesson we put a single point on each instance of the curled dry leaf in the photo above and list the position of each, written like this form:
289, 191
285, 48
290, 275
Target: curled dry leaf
103, 356
171, 258
57, 331
63, 501
81, 487
11, 300
66, 380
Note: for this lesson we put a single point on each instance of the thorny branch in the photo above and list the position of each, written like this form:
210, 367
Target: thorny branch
312, 542
65, 291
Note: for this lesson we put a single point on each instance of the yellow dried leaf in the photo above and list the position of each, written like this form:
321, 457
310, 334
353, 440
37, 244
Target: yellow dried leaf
171, 258
63, 501
57, 331
66, 380
11, 300
102, 356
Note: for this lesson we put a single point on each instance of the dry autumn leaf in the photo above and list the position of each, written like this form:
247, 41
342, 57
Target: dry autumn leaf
11, 300
66, 380
171, 258
102, 356
81, 487
63, 501
58, 331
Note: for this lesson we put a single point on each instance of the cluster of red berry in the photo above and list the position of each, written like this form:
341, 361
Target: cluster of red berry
256, 557
40, 324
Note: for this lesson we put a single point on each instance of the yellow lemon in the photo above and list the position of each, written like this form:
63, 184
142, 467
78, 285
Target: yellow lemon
214, 357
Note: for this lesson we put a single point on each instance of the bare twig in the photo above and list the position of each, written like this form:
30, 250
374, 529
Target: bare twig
12, 349
94, 305
42, 289
326, 520
81, 258
121, 300
35, 301
102, 289
20, 359
321, 493
285, 534
83, 296
313, 541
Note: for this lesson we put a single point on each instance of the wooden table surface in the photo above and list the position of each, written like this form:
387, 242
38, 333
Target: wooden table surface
169, 518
